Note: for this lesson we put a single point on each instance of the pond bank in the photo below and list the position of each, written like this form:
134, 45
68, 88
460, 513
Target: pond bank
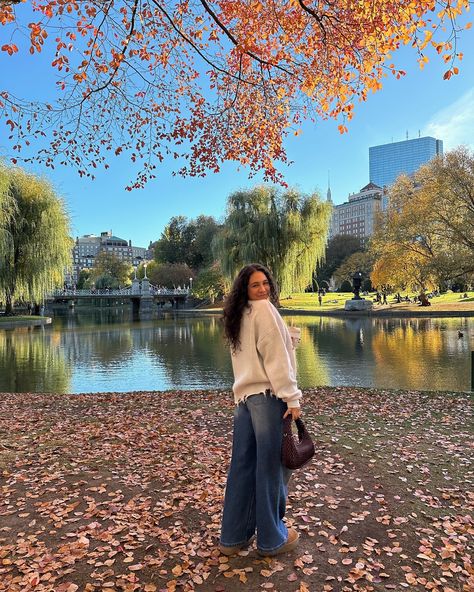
388, 312
24, 321
124, 492
384, 313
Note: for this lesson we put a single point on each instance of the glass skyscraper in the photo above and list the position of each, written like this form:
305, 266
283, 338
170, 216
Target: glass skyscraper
388, 161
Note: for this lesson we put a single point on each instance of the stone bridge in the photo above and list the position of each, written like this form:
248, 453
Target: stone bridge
142, 294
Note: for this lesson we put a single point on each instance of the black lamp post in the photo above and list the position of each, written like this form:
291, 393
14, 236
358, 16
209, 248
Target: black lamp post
357, 281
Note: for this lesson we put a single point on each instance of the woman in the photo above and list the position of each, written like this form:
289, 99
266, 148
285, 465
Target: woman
265, 391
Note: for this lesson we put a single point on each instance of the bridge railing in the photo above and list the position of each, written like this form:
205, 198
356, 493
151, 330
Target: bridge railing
101, 292
167, 292
154, 291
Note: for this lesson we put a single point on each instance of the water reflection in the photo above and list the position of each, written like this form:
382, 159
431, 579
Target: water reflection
33, 361
392, 353
422, 353
312, 370
107, 351
187, 351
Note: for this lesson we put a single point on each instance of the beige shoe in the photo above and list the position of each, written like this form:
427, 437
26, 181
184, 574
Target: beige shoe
291, 542
235, 548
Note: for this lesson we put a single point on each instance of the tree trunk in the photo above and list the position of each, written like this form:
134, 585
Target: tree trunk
8, 305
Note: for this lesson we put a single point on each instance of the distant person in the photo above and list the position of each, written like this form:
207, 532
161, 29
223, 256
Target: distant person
320, 298
265, 391
423, 298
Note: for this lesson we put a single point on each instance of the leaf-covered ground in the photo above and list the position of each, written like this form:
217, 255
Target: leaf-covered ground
123, 492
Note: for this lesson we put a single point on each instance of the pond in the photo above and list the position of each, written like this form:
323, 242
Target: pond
98, 351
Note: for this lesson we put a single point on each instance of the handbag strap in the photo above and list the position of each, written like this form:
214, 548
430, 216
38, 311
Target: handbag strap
302, 431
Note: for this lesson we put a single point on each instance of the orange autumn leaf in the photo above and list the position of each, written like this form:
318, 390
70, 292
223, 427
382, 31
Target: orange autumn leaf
140, 491
208, 82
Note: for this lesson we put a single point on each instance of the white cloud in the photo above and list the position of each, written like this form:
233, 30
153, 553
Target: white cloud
454, 124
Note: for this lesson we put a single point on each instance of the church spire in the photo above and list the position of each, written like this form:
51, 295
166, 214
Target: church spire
328, 195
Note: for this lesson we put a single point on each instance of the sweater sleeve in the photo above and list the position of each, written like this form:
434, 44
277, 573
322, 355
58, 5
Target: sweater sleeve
274, 347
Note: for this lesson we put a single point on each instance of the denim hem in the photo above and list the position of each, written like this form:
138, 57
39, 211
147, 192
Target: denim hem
273, 548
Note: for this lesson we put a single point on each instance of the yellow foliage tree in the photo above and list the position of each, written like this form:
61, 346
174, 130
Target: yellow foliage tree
402, 269
426, 237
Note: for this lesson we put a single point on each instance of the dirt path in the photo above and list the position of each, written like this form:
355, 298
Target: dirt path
123, 492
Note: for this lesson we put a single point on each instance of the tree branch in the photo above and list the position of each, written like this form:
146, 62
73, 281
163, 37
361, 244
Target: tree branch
212, 14
316, 16
195, 47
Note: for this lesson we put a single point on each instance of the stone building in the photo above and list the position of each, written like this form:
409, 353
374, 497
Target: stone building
357, 216
89, 246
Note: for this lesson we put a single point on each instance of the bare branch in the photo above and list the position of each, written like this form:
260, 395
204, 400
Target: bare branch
126, 42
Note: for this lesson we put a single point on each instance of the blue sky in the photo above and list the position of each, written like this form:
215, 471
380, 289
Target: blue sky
421, 102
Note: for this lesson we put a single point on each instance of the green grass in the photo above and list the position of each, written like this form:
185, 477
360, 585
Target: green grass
451, 297
4, 319
336, 300
307, 300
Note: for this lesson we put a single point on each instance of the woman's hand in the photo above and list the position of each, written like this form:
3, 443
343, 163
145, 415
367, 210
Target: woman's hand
295, 412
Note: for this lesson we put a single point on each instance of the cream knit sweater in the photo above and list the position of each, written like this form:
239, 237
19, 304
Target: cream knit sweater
266, 358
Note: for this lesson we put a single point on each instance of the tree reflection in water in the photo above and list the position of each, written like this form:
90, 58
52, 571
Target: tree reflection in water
190, 351
415, 353
31, 360
87, 352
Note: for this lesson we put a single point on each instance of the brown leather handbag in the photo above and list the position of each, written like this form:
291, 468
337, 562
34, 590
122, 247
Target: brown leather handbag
296, 450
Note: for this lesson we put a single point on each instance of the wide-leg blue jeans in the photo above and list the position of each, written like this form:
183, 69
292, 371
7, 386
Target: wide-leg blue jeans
255, 497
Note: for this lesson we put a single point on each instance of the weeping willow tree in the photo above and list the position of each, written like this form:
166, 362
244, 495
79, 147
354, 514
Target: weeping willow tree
285, 231
7, 209
35, 243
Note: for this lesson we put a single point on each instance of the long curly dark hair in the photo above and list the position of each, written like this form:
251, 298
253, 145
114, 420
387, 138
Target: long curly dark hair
238, 300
